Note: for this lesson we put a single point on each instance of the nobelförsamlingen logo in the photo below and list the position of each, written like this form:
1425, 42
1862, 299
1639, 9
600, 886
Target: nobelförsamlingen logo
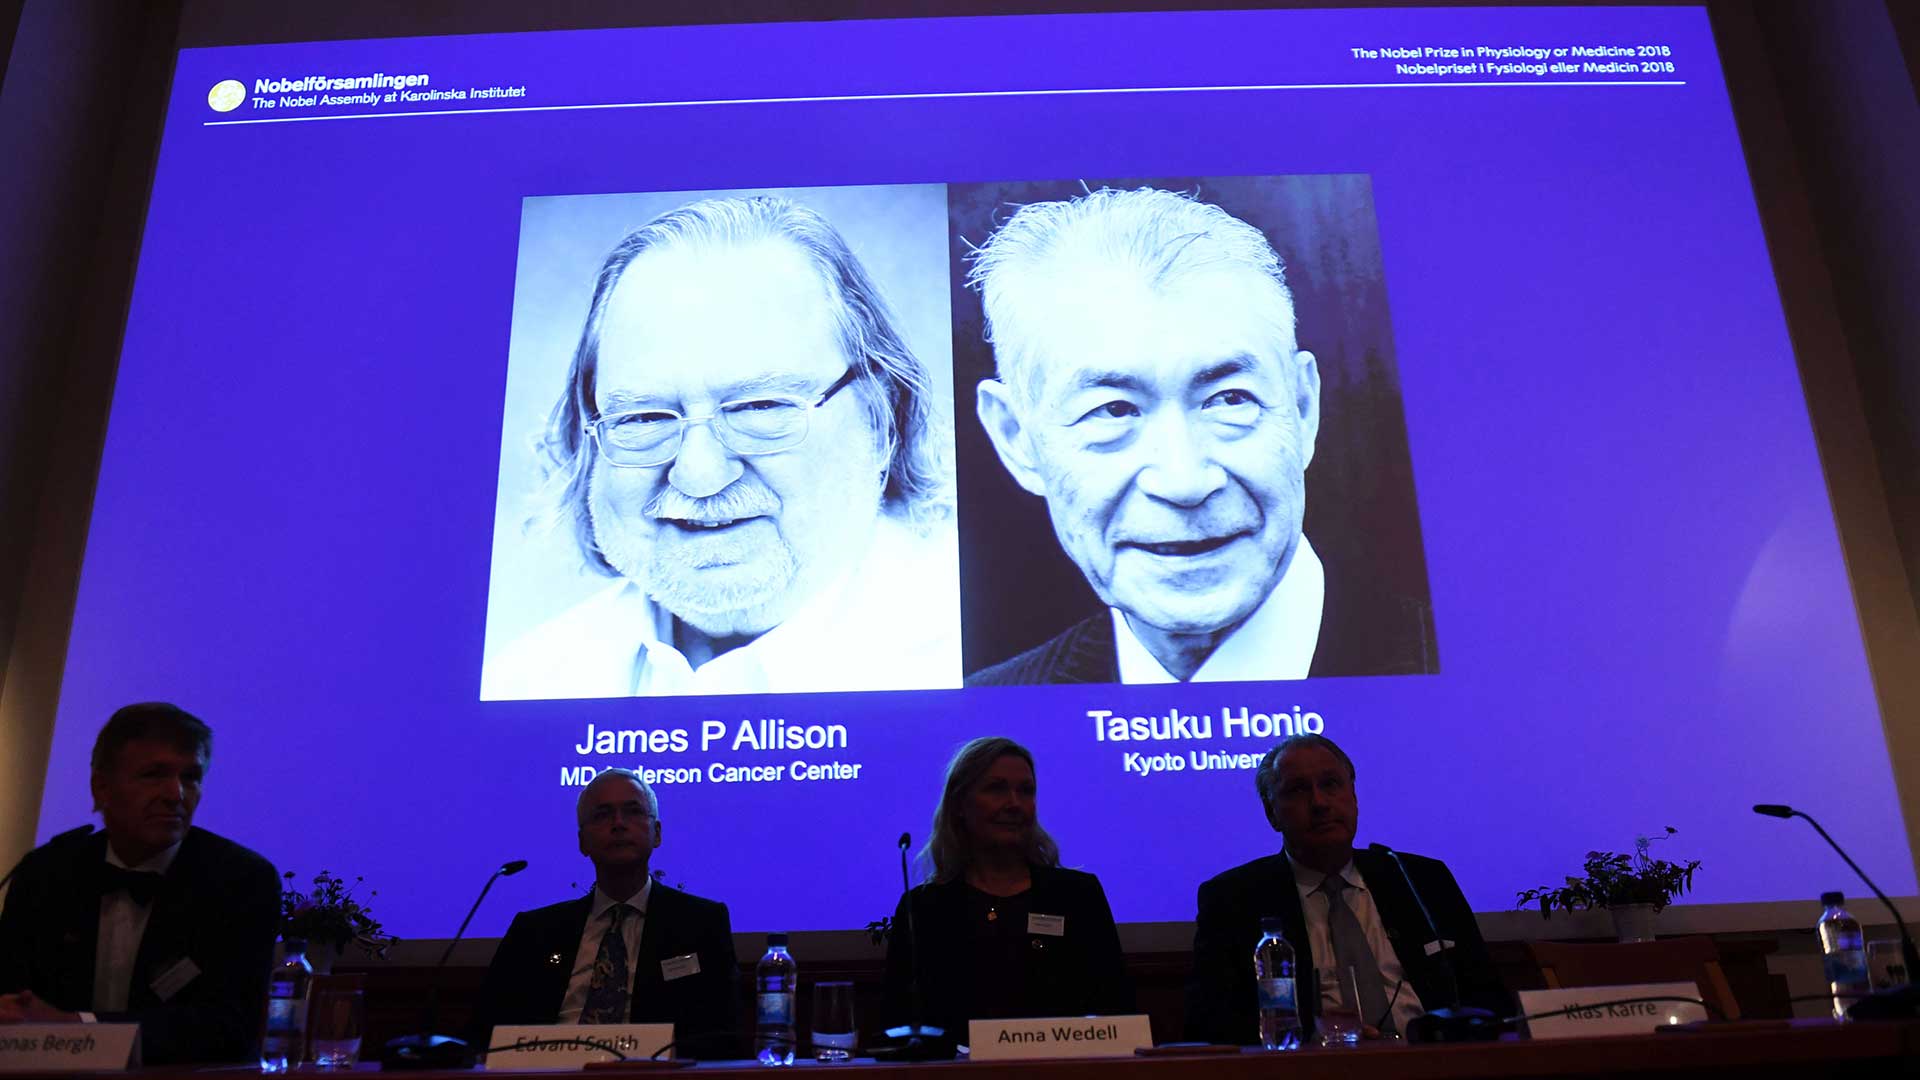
226, 95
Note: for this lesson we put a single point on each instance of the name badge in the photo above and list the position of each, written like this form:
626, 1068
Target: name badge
570, 1046
1060, 1037
679, 967
49, 1048
175, 978
1050, 925
1590, 1014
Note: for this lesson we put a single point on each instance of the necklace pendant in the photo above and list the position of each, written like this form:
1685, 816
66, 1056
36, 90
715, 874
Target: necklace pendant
993, 914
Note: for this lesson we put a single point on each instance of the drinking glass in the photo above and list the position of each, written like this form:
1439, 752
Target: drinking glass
335, 1017
1339, 1023
833, 1030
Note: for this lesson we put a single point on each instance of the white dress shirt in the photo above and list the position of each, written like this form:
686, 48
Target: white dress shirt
1276, 641
597, 921
122, 924
892, 622
1359, 900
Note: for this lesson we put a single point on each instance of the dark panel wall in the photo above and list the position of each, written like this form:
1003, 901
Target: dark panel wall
9, 21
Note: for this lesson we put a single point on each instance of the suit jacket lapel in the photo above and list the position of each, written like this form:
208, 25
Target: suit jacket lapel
662, 903
79, 944
1400, 916
567, 930
167, 936
946, 976
1089, 654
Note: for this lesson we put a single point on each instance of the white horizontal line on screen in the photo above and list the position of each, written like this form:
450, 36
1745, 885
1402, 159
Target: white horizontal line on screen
927, 96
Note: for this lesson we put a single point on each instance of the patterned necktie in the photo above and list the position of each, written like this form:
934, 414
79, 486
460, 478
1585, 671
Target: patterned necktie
607, 987
1350, 950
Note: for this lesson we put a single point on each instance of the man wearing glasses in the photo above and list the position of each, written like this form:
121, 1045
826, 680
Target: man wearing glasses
747, 444
631, 951
1151, 389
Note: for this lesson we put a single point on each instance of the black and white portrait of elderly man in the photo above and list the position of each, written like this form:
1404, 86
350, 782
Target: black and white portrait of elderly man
749, 451
1156, 385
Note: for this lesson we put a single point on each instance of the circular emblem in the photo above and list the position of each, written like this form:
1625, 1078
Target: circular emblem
226, 95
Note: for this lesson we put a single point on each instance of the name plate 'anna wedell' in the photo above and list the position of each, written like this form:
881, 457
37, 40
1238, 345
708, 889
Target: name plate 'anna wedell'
570, 1046
1058, 1037
68, 1047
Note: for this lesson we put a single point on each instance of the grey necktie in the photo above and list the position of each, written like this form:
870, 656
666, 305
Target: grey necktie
1350, 950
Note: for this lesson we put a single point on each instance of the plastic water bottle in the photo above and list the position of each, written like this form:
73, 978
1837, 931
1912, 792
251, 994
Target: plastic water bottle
1273, 983
1844, 954
774, 982
286, 1029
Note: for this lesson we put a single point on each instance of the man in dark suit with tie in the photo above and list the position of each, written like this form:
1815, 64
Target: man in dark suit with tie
1341, 908
631, 951
151, 920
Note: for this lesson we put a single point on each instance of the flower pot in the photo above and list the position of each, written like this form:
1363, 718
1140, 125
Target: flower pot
321, 956
1633, 922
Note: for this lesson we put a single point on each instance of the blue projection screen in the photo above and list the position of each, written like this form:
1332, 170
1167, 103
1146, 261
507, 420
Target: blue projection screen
1560, 567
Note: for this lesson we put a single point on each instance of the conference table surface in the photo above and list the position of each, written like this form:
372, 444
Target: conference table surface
1744, 1049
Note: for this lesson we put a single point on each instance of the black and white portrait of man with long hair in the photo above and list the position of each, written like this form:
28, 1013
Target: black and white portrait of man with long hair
751, 455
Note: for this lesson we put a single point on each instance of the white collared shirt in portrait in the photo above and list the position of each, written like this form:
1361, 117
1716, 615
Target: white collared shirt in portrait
891, 622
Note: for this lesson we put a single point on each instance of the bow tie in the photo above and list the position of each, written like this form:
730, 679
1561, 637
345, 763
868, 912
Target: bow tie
142, 885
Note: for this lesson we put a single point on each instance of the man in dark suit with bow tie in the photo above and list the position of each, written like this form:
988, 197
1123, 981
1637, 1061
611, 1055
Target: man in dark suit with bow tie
631, 951
1341, 909
150, 920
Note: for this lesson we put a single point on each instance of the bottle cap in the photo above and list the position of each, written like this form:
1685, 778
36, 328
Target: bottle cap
776, 939
1832, 899
1273, 924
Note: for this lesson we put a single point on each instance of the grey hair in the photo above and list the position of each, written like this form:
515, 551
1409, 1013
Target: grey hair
892, 383
646, 794
1164, 236
1266, 778
947, 849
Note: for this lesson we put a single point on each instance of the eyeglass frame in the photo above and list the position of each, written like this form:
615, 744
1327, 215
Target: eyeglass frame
592, 428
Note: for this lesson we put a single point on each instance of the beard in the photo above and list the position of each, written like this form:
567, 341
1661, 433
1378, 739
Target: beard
732, 580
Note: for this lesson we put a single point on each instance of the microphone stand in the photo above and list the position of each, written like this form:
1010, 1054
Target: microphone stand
1895, 1003
1449, 1023
427, 1050
919, 1042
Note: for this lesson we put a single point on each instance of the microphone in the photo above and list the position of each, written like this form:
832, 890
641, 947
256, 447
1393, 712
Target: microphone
1453, 1022
56, 838
917, 1041
427, 1050
1888, 1004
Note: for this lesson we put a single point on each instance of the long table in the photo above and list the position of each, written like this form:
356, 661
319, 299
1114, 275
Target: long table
1800, 1049
397, 993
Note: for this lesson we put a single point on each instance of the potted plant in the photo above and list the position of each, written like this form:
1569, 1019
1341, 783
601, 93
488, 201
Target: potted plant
330, 917
1632, 888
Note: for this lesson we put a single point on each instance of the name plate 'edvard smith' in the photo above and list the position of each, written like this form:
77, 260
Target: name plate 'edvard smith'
1058, 1037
